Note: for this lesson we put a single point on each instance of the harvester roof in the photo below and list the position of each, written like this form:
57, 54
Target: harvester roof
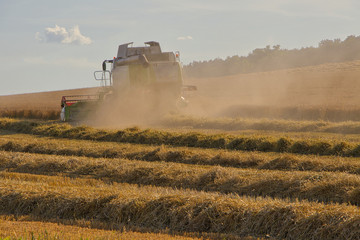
125, 51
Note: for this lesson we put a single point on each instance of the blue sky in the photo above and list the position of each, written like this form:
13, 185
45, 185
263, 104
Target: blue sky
53, 45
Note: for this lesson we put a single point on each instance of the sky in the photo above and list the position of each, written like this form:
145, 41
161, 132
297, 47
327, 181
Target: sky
48, 45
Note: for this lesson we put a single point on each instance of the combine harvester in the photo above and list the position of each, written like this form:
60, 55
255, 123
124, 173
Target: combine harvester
140, 73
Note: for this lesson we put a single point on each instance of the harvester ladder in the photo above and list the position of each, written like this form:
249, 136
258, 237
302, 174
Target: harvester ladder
105, 78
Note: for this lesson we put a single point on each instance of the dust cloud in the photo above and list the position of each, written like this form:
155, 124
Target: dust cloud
134, 107
334, 85
322, 92
273, 94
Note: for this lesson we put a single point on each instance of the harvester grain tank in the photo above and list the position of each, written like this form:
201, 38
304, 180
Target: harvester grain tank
142, 72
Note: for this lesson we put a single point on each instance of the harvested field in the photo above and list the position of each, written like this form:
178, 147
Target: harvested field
180, 210
238, 164
264, 143
146, 188
279, 184
323, 92
225, 158
274, 125
27, 229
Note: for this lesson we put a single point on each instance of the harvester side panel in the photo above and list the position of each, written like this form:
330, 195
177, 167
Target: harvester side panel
121, 77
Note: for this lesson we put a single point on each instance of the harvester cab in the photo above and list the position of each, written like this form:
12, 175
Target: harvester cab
146, 71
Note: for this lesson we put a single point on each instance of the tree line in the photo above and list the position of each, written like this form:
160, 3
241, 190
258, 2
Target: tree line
274, 58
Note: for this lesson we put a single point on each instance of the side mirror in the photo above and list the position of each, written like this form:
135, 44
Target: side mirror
104, 65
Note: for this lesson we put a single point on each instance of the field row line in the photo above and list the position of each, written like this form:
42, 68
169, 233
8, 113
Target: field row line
177, 210
193, 139
35, 229
198, 156
319, 187
279, 125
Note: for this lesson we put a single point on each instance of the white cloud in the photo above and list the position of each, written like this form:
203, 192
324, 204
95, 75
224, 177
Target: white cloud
59, 34
185, 38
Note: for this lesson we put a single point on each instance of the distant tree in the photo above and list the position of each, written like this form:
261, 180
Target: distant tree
272, 58
276, 47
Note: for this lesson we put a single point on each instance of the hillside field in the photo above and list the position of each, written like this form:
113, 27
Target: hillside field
271, 155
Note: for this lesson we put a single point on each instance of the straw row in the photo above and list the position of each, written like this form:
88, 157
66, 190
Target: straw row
281, 125
194, 139
323, 187
185, 211
238, 159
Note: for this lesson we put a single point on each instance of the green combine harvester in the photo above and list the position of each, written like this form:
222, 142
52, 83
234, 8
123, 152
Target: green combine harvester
137, 72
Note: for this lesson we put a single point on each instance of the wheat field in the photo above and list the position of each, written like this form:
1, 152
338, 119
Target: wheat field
271, 155
54, 172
